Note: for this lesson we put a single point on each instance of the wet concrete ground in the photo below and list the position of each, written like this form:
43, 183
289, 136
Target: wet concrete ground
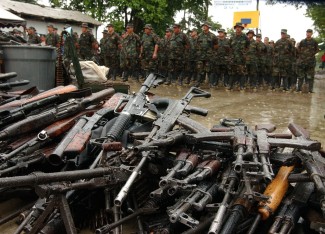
262, 106
258, 107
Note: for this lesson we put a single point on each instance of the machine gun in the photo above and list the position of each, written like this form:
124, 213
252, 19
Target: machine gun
161, 126
48, 117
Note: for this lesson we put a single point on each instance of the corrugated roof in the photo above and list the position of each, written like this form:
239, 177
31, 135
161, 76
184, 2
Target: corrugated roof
7, 19
47, 12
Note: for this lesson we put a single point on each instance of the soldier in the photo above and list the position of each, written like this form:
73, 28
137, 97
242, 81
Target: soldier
267, 60
33, 38
130, 50
282, 64
238, 46
261, 51
52, 39
149, 50
102, 47
251, 60
178, 44
85, 43
306, 63
206, 44
111, 54
222, 57
293, 76
191, 58
163, 51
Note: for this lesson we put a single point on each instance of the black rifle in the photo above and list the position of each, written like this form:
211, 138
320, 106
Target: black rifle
161, 126
64, 110
10, 85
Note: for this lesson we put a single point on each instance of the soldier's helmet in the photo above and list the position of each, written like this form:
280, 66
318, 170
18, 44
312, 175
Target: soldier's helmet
84, 25
239, 24
148, 26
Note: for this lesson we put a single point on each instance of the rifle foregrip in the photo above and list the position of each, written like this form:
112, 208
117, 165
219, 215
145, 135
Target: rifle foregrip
119, 126
78, 143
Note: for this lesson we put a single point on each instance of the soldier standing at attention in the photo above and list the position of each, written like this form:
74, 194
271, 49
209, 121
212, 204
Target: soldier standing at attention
111, 55
149, 50
163, 51
261, 51
222, 57
306, 63
206, 44
282, 61
293, 76
85, 43
130, 53
251, 60
102, 48
238, 46
33, 38
52, 39
268, 59
190, 66
178, 44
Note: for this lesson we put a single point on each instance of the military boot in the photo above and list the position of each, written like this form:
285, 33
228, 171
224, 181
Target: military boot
169, 78
310, 85
113, 74
125, 76
300, 83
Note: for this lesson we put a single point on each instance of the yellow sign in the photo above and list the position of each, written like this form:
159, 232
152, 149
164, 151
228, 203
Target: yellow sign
249, 19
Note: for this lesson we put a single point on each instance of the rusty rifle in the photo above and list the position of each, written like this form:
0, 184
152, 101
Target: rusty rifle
64, 110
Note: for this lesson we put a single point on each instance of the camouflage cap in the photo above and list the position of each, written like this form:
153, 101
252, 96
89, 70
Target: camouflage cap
32, 28
206, 23
292, 39
288, 36
148, 26
84, 25
169, 30
309, 30
105, 31
221, 30
129, 25
259, 35
50, 26
110, 25
55, 28
239, 24
176, 25
250, 32
271, 41
284, 31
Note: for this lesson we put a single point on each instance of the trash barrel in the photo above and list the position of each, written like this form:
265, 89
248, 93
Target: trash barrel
33, 63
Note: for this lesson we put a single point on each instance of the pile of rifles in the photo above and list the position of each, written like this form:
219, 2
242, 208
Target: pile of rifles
137, 163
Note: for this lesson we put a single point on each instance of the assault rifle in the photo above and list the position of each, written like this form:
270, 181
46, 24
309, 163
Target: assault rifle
161, 126
18, 113
66, 109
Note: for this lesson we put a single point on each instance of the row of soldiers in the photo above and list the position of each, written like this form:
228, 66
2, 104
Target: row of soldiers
240, 59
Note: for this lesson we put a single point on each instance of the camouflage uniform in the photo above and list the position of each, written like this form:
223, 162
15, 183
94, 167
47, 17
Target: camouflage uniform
163, 51
261, 51
191, 60
178, 44
282, 61
222, 59
306, 62
129, 54
102, 48
251, 61
238, 46
148, 44
52, 39
33, 39
85, 42
111, 53
205, 51
267, 61
293, 76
